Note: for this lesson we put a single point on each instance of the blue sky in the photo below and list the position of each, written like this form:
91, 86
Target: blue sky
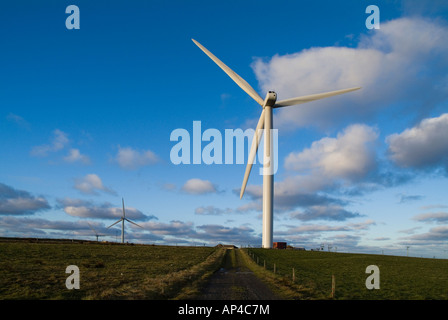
86, 117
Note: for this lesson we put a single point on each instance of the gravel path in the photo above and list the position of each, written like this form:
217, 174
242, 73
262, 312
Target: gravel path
234, 281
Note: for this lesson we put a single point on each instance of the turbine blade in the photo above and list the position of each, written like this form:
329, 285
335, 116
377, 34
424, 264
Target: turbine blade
124, 214
311, 97
91, 227
133, 223
114, 223
253, 152
235, 77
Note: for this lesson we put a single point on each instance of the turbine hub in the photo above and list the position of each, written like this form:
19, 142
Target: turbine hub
270, 99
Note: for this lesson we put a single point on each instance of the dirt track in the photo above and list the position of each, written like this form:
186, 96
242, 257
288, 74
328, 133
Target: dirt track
234, 281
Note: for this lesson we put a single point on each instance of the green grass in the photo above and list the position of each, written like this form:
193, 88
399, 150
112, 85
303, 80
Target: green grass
401, 278
37, 270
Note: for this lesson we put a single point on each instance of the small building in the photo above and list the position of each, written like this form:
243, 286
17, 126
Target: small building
279, 245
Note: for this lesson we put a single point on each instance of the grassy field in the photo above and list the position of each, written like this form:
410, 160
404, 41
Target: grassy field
107, 271
36, 270
401, 278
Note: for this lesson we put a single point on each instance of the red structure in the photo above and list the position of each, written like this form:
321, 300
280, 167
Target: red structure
279, 245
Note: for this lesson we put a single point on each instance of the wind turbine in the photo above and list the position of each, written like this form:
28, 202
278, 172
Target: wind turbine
122, 219
265, 122
94, 231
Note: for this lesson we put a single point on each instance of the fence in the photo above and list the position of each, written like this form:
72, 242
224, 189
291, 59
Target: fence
296, 275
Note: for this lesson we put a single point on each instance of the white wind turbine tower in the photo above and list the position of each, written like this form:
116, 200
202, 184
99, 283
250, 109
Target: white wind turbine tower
122, 219
265, 122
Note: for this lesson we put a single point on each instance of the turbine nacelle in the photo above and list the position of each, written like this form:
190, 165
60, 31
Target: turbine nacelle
271, 98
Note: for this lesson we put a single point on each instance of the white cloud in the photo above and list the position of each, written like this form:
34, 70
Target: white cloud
329, 164
437, 234
349, 156
250, 206
59, 141
439, 217
338, 237
20, 121
198, 186
403, 62
179, 231
174, 228
311, 228
87, 209
211, 210
75, 155
328, 212
169, 186
291, 193
423, 145
20, 202
408, 198
226, 234
129, 158
90, 184
362, 225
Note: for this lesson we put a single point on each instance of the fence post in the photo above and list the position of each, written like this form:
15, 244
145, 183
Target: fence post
293, 275
333, 285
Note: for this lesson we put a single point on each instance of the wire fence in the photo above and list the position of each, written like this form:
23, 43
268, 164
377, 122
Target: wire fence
323, 283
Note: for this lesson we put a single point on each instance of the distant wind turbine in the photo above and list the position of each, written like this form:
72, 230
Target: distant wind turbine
94, 231
122, 219
265, 122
